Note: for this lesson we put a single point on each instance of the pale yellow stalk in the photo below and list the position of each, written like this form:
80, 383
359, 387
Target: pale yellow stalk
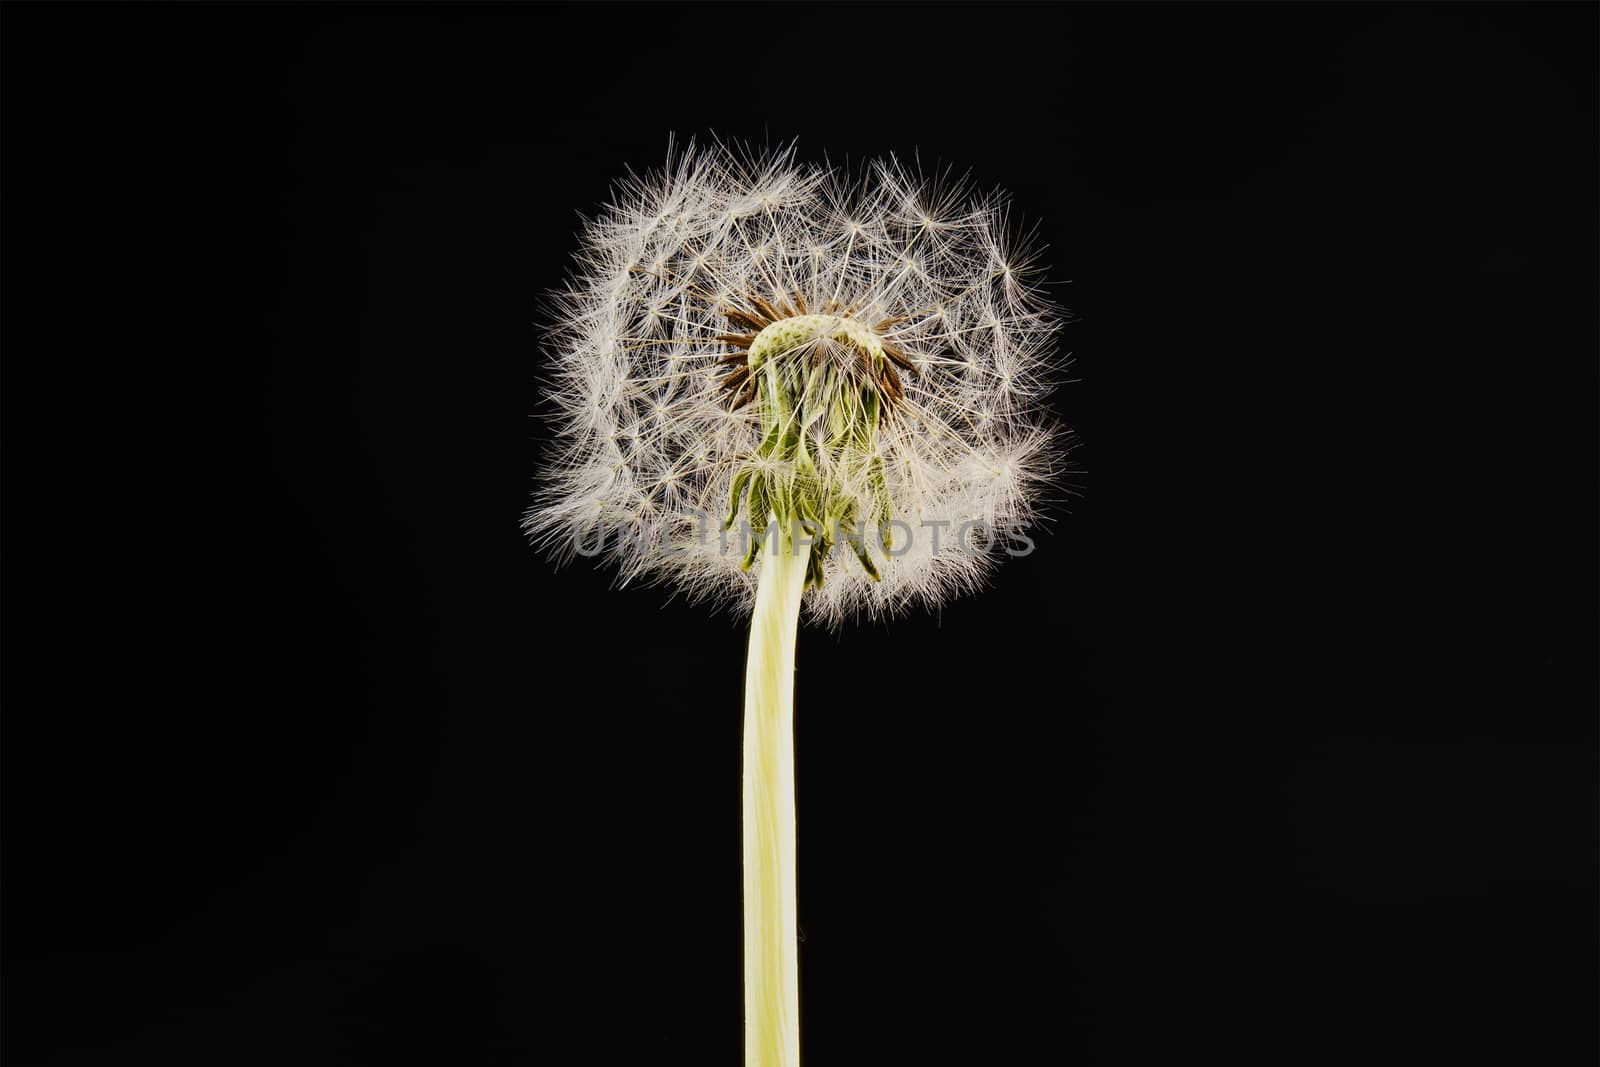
771, 963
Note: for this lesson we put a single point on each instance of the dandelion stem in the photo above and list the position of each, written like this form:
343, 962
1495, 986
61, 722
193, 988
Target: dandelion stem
771, 971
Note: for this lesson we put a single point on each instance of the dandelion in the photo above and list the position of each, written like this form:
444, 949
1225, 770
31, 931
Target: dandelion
791, 388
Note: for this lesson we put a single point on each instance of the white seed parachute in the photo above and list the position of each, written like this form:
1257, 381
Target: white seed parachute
914, 290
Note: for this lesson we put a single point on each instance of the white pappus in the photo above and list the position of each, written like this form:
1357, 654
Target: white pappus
746, 336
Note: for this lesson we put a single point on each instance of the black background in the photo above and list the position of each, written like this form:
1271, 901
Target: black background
1279, 750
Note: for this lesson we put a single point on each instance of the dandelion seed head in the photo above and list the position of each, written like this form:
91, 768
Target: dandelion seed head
743, 326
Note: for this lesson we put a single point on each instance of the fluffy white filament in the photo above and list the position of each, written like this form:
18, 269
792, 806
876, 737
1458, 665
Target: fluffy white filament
646, 446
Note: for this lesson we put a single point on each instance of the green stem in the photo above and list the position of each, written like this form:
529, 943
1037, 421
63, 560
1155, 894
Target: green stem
771, 964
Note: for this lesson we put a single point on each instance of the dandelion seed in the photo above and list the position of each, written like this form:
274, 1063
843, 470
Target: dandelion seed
927, 276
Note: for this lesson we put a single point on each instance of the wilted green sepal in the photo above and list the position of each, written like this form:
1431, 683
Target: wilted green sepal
760, 508
819, 553
866, 559
739, 482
